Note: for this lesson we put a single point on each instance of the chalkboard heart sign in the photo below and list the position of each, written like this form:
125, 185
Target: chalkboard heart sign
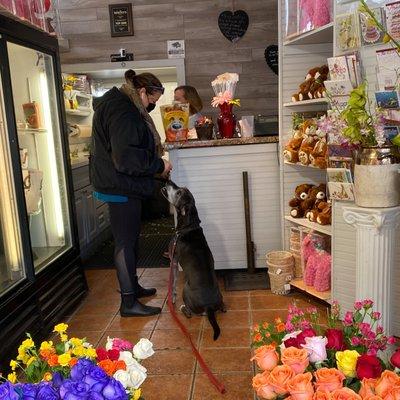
233, 25
271, 57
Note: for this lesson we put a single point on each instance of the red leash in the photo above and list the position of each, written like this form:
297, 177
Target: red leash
220, 386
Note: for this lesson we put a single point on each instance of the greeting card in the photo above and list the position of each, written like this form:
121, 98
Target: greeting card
339, 103
338, 69
387, 99
387, 80
369, 32
353, 64
392, 11
341, 191
347, 36
338, 88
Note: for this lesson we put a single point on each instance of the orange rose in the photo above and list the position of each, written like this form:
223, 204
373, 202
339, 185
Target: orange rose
73, 361
328, 379
373, 397
257, 337
345, 394
53, 360
262, 386
295, 358
46, 353
279, 378
280, 327
266, 357
321, 395
393, 393
108, 366
120, 364
300, 387
386, 382
367, 387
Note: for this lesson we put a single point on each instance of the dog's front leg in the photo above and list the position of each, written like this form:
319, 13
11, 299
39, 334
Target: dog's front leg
175, 283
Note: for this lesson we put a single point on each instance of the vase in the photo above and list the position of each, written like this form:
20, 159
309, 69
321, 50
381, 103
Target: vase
376, 177
226, 121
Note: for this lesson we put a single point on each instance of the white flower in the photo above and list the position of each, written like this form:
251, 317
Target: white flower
137, 375
124, 377
127, 357
109, 344
288, 336
316, 347
143, 349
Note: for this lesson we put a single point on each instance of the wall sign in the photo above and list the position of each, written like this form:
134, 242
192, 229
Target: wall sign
271, 57
233, 25
121, 21
176, 48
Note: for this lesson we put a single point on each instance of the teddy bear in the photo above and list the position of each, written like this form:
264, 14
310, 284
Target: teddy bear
306, 148
300, 203
318, 156
317, 89
325, 216
304, 89
318, 194
291, 152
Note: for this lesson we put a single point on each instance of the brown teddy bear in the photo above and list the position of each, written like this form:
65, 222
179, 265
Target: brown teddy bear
325, 216
313, 85
318, 156
304, 89
291, 152
306, 148
318, 195
300, 203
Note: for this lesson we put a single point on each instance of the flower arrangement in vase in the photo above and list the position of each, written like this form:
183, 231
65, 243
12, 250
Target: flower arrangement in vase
302, 359
224, 87
73, 369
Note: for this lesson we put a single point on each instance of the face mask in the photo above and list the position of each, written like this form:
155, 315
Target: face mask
150, 107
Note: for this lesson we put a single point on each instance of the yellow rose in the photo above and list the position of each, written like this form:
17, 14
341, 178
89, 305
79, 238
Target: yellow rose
47, 377
91, 353
79, 351
12, 377
137, 394
64, 359
75, 341
346, 362
46, 345
30, 361
60, 328
13, 365
28, 343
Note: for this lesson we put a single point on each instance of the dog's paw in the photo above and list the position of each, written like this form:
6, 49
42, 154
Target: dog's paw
223, 308
183, 309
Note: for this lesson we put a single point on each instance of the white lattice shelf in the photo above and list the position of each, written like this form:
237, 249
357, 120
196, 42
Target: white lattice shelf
324, 34
302, 165
326, 229
299, 284
323, 101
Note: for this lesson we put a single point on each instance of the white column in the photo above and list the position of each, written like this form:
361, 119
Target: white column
375, 255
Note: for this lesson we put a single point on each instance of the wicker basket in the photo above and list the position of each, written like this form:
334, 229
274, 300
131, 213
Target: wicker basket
298, 270
281, 258
279, 282
295, 245
281, 269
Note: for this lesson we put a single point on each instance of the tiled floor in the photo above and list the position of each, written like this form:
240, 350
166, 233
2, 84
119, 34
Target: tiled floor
173, 373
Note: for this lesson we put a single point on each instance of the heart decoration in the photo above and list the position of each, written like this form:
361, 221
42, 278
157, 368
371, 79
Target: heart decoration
233, 25
271, 57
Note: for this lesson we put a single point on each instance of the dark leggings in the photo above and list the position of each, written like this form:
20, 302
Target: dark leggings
125, 226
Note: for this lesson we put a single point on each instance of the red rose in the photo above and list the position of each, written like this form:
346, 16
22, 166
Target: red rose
395, 359
335, 339
113, 354
301, 337
368, 367
101, 354
292, 342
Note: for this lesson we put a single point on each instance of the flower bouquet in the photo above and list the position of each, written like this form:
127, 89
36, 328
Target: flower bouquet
302, 359
73, 369
224, 87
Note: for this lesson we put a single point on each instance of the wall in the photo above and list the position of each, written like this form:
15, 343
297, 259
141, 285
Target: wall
86, 24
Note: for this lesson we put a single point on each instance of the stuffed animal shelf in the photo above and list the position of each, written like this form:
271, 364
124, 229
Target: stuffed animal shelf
313, 86
301, 203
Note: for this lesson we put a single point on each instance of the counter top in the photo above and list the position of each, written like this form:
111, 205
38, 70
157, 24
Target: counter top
190, 144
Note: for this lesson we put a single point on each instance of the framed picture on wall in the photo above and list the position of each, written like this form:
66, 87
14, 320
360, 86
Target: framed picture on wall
121, 21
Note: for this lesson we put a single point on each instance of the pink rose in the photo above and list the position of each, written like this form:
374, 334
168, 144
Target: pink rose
316, 348
266, 357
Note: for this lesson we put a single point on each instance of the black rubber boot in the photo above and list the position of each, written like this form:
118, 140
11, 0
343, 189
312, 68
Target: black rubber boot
142, 292
131, 307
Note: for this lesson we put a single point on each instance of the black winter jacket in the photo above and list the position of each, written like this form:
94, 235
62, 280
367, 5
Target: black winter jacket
123, 158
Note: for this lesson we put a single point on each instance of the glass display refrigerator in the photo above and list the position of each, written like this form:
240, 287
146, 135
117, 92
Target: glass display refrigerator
41, 278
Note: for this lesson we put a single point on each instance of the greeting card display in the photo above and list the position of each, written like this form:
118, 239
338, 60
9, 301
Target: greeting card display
392, 11
339, 102
387, 99
369, 32
338, 88
347, 35
338, 68
388, 67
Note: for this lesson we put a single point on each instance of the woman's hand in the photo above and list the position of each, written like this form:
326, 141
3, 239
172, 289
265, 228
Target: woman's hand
167, 169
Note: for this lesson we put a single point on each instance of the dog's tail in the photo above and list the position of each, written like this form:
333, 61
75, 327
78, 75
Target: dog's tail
213, 322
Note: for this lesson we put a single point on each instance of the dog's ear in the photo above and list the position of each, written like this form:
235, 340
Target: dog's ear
182, 210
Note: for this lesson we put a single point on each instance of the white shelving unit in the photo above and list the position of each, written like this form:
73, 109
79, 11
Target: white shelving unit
325, 229
324, 34
303, 103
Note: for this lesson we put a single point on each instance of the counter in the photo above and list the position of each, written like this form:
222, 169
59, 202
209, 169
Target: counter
212, 170
190, 144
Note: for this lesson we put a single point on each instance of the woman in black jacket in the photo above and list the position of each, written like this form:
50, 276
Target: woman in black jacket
125, 157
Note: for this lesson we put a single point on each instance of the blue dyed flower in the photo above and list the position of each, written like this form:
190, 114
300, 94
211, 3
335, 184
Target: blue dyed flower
74, 390
57, 379
81, 368
97, 379
28, 391
95, 396
114, 391
7, 392
47, 392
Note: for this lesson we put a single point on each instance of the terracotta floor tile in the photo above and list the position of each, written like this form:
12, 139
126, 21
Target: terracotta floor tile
230, 337
227, 359
233, 319
155, 272
237, 303
271, 302
259, 316
132, 336
234, 293
167, 322
173, 361
261, 292
173, 338
91, 307
238, 387
153, 301
90, 322
157, 282
133, 323
167, 387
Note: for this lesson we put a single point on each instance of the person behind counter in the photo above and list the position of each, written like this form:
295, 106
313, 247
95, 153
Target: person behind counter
188, 94
123, 163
